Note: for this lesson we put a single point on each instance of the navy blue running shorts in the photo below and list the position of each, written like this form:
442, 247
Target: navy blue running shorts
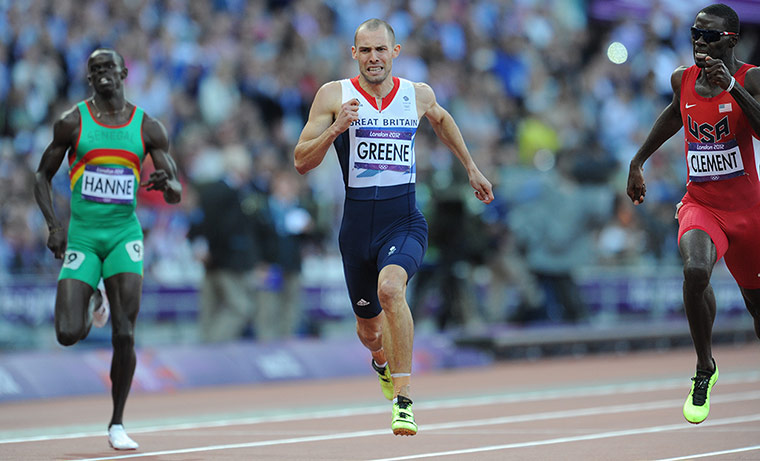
375, 234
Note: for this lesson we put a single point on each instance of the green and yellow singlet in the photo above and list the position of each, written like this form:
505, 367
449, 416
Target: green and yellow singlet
104, 167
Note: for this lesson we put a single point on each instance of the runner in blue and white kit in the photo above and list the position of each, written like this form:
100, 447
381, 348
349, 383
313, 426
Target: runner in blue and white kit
372, 120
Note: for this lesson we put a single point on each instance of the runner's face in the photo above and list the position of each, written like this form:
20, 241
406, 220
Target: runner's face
104, 72
716, 50
374, 52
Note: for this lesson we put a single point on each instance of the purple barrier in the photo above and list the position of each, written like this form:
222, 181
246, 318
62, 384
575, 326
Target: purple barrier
614, 10
654, 296
29, 375
30, 301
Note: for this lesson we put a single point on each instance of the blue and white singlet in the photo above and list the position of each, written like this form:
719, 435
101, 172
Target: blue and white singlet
381, 222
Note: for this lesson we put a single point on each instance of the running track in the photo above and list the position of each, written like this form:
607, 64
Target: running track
612, 407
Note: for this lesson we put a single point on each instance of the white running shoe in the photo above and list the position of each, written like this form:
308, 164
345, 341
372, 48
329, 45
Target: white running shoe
119, 440
103, 307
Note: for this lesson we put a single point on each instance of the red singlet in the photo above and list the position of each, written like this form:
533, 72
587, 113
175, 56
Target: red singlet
723, 190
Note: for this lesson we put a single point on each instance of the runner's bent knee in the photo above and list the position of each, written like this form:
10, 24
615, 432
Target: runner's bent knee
390, 291
68, 336
696, 276
369, 330
123, 339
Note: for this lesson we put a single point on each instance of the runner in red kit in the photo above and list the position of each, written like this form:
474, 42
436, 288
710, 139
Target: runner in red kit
717, 102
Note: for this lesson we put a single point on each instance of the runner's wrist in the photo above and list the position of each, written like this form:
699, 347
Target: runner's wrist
731, 85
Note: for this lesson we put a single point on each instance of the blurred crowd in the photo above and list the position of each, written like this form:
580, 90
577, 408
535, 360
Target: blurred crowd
549, 119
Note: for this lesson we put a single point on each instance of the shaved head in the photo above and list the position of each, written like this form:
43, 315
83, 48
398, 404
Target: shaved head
374, 24
730, 18
117, 57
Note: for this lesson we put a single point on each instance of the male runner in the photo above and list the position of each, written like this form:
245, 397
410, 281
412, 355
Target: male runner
717, 102
372, 120
106, 138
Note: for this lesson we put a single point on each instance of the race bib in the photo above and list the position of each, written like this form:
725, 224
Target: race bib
714, 161
384, 149
73, 259
135, 250
108, 184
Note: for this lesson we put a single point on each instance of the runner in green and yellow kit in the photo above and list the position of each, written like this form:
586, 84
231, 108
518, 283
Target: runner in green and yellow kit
106, 138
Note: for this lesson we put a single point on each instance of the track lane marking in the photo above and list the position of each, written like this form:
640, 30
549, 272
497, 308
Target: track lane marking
610, 389
610, 409
579, 438
712, 453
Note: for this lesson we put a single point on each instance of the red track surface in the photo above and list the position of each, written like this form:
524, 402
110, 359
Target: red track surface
625, 407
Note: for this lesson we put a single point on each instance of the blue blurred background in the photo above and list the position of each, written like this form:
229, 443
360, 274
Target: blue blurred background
548, 116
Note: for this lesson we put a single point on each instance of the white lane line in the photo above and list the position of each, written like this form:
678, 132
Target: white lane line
263, 443
712, 453
580, 438
609, 389
612, 409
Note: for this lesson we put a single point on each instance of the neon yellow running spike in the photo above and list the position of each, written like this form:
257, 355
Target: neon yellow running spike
386, 382
403, 418
697, 404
